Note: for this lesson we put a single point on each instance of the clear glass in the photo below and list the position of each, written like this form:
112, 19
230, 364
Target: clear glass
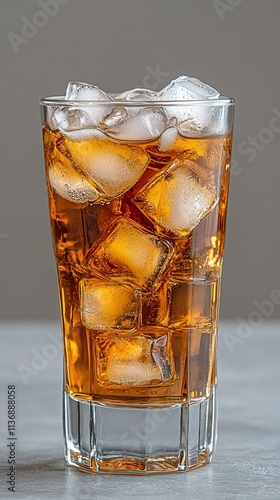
138, 212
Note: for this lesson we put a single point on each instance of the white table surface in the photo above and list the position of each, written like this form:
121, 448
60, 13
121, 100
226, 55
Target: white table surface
247, 460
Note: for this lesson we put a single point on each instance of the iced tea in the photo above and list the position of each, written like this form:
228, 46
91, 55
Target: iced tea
139, 271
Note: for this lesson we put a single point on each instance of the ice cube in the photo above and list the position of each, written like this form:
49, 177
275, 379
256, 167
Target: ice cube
113, 168
187, 88
168, 138
145, 360
117, 116
145, 125
198, 124
162, 352
197, 118
79, 91
200, 363
69, 184
68, 119
176, 199
128, 252
79, 122
106, 305
74, 123
155, 307
139, 94
193, 304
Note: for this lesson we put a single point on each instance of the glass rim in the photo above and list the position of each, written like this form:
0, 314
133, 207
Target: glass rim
60, 101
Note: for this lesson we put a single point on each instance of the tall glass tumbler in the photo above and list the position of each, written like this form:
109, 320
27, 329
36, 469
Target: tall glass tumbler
138, 212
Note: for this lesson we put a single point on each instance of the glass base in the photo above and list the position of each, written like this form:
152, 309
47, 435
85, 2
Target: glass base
139, 439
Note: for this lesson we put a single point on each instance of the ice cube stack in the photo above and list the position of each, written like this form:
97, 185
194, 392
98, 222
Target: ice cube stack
103, 159
139, 122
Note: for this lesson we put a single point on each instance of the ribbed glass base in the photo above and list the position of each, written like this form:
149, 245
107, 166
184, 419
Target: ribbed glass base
139, 439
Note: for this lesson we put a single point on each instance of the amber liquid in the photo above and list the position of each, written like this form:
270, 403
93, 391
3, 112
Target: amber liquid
163, 347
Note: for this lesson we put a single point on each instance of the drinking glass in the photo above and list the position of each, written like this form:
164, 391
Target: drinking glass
138, 213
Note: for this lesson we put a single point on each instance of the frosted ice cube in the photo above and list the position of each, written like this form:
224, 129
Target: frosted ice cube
113, 168
197, 118
69, 184
79, 91
82, 134
187, 88
126, 251
176, 199
79, 122
68, 119
168, 138
118, 115
204, 121
107, 305
75, 123
139, 94
145, 125
135, 360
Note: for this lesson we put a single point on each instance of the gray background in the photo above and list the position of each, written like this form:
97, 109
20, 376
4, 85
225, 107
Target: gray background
113, 43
